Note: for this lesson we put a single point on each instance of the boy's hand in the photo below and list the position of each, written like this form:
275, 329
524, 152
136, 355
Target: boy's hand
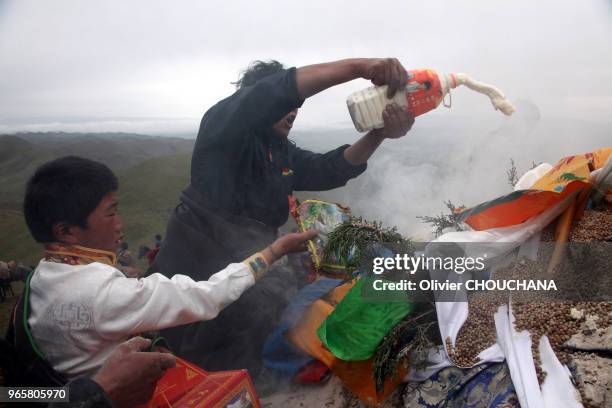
294, 242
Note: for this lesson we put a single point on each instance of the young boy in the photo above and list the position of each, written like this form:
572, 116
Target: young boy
81, 306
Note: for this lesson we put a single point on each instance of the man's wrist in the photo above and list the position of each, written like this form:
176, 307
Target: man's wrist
376, 135
360, 67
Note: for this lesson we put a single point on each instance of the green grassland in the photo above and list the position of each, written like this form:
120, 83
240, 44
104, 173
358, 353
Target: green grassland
151, 171
148, 192
15, 240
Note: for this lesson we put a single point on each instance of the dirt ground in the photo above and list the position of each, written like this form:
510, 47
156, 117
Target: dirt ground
332, 394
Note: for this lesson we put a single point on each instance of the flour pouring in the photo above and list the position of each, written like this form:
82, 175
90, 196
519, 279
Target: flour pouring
425, 90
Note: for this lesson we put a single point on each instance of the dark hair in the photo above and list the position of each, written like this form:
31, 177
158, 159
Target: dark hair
65, 190
124, 245
256, 71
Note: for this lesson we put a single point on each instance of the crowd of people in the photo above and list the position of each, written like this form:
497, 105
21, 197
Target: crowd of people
126, 262
214, 287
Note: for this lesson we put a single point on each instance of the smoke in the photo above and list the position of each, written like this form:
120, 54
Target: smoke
457, 158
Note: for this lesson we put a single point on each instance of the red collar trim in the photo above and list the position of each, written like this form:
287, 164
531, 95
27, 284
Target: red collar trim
77, 255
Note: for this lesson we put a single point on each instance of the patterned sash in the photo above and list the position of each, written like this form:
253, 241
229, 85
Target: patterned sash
77, 255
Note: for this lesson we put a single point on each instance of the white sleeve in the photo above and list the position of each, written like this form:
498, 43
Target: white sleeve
126, 306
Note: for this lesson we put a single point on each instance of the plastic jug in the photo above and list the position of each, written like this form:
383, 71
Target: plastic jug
425, 90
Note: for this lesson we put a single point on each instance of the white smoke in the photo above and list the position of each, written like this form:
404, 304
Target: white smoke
446, 157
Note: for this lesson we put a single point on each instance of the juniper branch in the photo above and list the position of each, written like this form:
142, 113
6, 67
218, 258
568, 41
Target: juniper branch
443, 221
350, 242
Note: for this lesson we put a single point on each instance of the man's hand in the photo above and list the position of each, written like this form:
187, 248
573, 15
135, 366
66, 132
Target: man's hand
312, 79
129, 376
398, 122
385, 71
294, 242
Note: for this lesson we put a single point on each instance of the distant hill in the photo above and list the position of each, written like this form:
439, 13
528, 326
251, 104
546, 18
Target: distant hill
148, 193
22, 153
442, 158
151, 170
15, 240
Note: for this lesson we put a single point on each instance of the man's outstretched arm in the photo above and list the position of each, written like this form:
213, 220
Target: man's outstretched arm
312, 79
397, 123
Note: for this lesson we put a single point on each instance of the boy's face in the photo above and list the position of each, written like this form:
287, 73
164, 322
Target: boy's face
104, 226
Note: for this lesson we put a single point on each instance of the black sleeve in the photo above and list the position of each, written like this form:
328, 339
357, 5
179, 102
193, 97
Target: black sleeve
252, 107
318, 172
84, 393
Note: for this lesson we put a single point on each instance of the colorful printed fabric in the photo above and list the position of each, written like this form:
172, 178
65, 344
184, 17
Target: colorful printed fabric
77, 255
279, 354
567, 176
486, 385
324, 217
572, 168
356, 375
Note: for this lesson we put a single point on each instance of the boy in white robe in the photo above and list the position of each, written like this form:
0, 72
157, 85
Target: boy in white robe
80, 306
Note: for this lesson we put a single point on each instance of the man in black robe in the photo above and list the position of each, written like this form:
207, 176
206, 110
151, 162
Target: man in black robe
243, 169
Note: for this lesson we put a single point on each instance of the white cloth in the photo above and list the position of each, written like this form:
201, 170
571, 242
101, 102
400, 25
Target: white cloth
557, 391
516, 347
79, 314
530, 177
492, 245
603, 182
437, 359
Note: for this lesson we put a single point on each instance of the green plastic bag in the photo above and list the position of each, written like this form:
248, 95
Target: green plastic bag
360, 321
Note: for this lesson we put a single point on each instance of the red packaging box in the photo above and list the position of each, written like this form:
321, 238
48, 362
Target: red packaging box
188, 385
222, 389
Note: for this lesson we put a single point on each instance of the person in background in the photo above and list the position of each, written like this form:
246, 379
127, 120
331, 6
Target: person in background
21, 272
6, 275
125, 262
158, 241
5, 280
243, 169
124, 256
4, 270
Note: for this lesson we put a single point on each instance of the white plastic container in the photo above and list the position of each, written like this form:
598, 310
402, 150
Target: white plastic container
425, 90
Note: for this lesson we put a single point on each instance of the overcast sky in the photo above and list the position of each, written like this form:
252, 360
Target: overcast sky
156, 66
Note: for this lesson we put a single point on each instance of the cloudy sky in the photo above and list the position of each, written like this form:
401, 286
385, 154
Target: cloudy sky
156, 66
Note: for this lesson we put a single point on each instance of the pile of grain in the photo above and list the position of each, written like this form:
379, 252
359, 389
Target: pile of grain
477, 333
558, 319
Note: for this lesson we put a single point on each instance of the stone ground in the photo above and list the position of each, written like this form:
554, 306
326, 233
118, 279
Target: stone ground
329, 395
